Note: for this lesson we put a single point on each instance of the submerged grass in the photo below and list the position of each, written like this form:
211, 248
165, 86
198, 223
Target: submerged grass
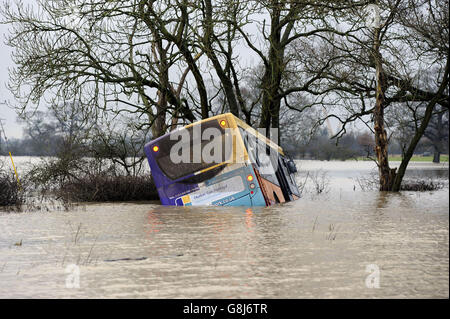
444, 158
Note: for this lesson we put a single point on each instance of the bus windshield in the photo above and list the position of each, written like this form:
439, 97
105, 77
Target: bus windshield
194, 163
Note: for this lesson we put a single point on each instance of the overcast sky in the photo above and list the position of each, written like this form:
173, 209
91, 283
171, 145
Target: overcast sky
11, 127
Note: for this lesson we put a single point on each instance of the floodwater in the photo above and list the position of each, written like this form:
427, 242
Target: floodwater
343, 242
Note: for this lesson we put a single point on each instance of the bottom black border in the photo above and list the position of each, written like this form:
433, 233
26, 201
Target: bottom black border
225, 308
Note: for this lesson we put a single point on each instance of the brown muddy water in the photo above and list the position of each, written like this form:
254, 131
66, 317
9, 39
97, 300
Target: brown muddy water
341, 243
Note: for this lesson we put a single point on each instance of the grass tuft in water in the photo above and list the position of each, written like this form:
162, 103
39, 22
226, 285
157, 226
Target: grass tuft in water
421, 185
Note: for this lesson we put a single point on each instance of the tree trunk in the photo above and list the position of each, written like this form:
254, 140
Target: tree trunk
265, 108
436, 155
226, 82
419, 133
201, 88
439, 138
386, 175
271, 81
161, 107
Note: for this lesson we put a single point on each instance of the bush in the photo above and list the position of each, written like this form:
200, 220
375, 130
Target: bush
98, 188
420, 186
10, 192
72, 178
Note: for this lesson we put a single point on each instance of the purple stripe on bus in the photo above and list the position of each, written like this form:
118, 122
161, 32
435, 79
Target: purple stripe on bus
176, 190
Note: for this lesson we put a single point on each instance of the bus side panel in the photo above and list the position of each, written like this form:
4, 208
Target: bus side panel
258, 198
226, 187
255, 199
175, 191
243, 201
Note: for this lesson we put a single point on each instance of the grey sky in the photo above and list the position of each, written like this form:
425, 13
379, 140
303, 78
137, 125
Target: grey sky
11, 127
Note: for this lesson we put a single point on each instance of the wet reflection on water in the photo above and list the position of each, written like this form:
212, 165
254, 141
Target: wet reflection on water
319, 246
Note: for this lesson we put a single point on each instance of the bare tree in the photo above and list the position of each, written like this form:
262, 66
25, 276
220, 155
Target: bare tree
104, 55
437, 132
119, 147
397, 62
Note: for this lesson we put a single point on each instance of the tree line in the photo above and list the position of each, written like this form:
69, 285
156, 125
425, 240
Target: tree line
47, 134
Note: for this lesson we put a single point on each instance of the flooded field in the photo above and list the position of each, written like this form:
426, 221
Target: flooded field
337, 241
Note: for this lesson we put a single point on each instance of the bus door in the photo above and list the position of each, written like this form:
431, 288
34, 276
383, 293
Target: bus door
289, 177
284, 184
277, 168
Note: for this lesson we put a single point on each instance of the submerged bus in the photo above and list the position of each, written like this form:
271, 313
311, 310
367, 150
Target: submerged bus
220, 161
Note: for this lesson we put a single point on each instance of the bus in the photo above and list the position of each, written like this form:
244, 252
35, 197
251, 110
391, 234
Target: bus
220, 161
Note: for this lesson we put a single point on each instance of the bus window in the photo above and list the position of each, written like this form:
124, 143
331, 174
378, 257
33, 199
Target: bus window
176, 171
250, 146
262, 156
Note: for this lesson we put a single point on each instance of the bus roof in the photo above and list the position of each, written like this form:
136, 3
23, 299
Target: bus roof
236, 122
255, 133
